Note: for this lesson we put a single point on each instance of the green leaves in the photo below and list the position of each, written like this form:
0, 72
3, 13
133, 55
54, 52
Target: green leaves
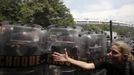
43, 12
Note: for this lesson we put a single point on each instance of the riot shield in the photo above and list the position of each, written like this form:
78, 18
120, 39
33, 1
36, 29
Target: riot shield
20, 51
59, 39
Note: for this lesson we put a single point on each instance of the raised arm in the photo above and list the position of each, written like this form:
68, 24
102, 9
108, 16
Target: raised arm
65, 58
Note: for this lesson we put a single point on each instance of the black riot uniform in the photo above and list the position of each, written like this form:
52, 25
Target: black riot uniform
125, 68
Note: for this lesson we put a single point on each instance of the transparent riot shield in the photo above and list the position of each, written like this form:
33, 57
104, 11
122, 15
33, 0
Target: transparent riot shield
21, 47
96, 47
59, 39
96, 51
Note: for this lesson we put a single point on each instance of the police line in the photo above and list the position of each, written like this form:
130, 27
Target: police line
28, 61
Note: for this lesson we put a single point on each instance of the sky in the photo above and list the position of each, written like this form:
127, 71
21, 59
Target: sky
102, 10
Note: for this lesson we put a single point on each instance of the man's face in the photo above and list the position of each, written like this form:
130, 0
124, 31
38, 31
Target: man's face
115, 55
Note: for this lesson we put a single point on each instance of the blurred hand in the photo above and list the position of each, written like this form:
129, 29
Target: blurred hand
60, 57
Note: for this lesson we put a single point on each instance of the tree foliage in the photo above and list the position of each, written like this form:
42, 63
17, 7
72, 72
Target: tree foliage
43, 12
9, 9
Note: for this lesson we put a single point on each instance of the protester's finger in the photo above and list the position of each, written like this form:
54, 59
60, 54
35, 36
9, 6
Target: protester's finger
56, 59
56, 53
65, 51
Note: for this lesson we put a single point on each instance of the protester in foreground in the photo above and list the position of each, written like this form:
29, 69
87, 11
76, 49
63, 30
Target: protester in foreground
119, 60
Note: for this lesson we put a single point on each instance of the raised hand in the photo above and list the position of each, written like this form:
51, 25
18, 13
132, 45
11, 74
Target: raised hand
60, 57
